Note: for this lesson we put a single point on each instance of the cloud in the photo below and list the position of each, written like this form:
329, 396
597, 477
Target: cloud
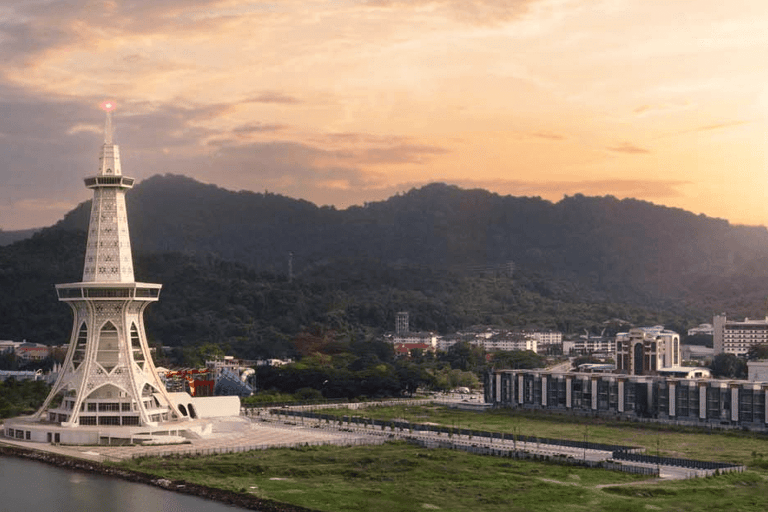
273, 97
357, 150
32, 28
718, 126
400, 154
286, 167
469, 11
708, 128
626, 147
546, 135
259, 128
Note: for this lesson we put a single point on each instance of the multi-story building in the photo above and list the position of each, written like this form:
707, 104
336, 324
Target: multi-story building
692, 401
591, 344
7, 346
733, 337
507, 341
401, 323
32, 351
647, 350
548, 337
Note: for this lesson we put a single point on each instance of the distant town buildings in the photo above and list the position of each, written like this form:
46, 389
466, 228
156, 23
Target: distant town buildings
733, 337
26, 351
490, 338
21, 375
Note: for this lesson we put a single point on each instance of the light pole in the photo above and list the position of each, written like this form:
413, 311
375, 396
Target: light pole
658, 454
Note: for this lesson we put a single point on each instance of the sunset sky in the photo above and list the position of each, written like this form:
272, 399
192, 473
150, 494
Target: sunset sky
346, 101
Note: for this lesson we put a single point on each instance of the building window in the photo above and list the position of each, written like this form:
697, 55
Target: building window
87, 420
109, 420
131, 420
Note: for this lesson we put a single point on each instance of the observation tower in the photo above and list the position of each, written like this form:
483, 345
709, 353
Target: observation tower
108, 389
108, 386
108, 377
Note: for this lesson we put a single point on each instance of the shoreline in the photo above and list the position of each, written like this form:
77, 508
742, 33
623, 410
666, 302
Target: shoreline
237, 499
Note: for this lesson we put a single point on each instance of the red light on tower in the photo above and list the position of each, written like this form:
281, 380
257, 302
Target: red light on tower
108, 106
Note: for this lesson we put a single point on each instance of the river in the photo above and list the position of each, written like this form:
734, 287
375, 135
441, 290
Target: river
27, 485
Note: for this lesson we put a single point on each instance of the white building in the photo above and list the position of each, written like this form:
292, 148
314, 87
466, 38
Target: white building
548, 337
401, 323
647, 350
7, 346
591, 344
108, 386
686, 372
705, 329
733, 337
416, 338
757, 371
507, 341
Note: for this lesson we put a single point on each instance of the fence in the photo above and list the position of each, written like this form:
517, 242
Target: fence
339, 403
438, 430
182, 452
524, 454
699, 465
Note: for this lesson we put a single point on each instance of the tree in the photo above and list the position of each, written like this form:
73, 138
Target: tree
518, 359
465, 357
757, 351
728, 366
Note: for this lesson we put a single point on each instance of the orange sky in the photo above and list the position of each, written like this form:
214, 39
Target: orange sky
345, 101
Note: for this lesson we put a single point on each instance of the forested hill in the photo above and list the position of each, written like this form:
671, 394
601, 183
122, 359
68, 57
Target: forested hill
625, 250
451, 257
8, 237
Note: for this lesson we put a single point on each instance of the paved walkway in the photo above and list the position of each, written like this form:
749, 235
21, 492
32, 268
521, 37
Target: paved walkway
229, 435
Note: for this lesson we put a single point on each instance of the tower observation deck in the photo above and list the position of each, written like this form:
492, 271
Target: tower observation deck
108, 377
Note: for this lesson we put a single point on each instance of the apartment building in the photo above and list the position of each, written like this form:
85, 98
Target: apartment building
734, 337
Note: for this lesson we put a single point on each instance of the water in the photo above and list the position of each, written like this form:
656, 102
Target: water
34, 486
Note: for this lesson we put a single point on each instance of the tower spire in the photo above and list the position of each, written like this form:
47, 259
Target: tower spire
108, 107
108, 252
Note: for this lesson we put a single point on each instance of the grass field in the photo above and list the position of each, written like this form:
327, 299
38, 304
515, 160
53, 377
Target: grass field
402, 477
688, 442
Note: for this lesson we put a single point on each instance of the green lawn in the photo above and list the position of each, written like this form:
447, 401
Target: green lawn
402, 477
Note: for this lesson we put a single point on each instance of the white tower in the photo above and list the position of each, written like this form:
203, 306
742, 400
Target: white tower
108, 377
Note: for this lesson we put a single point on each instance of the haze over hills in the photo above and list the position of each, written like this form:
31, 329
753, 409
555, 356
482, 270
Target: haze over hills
452, 257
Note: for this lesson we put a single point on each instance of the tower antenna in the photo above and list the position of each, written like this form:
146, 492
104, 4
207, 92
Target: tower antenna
108, 106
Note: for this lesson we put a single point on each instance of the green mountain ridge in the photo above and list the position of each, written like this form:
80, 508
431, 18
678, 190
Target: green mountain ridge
621, 248
451, 257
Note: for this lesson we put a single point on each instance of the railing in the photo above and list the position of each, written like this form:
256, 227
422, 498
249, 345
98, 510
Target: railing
438, 429
181, 452
699, 465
